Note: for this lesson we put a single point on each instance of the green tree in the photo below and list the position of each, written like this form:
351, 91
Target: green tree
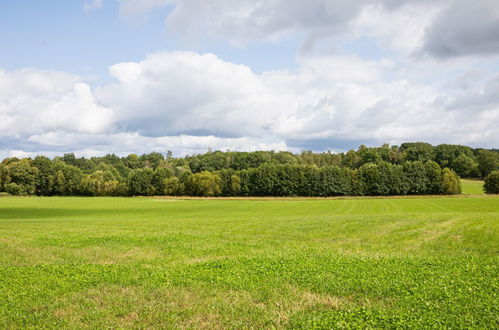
416, 177
352, 159
434, 176
158, 178
418, 151
3, 176
376, 179
488, 161
204, 184
451, 184
152, 159
491, 185
99, 183
45, 169
14, 189
133, 161
139, 182
368, 155
65, 180
23, 174
284, 157
465, 166
172, 186
446, 153
235, 185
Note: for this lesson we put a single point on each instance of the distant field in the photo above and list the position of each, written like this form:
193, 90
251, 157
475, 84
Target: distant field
144, 262
472, 187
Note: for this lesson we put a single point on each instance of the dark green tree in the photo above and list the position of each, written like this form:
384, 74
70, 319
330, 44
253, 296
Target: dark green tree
491, 185
488, 161
139, 182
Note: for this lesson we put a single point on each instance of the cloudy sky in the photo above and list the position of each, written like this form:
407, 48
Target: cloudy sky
101, 76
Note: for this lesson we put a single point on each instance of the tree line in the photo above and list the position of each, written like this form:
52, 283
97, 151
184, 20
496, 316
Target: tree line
411, 168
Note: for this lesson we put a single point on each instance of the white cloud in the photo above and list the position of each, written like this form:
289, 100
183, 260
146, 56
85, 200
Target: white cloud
402, 29
124, 143
35, 101
464, 28
186, 93
188, 102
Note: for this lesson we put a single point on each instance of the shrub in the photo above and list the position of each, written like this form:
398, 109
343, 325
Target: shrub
491, 185
140, 182
14, 189
172, 186
204, 184
451, 182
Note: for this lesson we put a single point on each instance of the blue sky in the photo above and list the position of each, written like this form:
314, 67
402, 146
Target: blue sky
123, 76
62, 35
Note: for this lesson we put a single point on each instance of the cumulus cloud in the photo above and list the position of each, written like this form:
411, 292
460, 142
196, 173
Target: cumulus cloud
402, 29
464, 28
188, 93
35, 101
188, 102
440, 28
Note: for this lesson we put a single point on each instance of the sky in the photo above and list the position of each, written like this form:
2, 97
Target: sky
135, 76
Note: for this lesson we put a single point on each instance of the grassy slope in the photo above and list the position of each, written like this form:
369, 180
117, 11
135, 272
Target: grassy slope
118, 262
472, 187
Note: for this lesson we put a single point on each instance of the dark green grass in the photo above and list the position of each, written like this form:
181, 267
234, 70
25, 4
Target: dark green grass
140, 262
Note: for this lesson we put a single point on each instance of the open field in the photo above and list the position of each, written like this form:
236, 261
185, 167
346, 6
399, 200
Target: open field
472, 187
129, 262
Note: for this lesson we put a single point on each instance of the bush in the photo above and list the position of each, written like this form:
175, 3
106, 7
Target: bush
140, 182
451, 182
99, 184
416, 177
14, 189
172, 186
491, 185
204, 184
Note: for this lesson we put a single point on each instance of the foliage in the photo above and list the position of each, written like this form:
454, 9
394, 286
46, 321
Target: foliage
491, 185
488, 161
465, 166
418, 151
14, 189
172, 186
451, 182
203, 184
139, 182
412, 168
100, 183
21, 177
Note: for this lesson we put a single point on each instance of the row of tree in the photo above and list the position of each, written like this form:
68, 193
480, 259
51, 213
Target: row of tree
43, 176
412, 168
465, 161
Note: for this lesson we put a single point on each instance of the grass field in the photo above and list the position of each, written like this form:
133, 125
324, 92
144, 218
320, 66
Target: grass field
144, 262
472, 187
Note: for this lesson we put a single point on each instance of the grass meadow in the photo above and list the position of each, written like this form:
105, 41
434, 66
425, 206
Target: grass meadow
472, 187
76, 262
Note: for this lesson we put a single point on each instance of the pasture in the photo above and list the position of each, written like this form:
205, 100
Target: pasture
472, 187
78, 262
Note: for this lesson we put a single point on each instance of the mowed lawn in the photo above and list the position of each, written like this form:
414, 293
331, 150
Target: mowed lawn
323, 263
472, 187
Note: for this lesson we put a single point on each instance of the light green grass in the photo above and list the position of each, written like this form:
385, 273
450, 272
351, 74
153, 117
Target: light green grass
472, 187
144, 262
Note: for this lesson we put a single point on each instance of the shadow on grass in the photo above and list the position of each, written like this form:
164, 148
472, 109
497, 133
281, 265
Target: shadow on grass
16, 213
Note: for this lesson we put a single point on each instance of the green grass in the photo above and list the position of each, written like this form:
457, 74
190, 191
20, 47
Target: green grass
323, 263
472, 187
